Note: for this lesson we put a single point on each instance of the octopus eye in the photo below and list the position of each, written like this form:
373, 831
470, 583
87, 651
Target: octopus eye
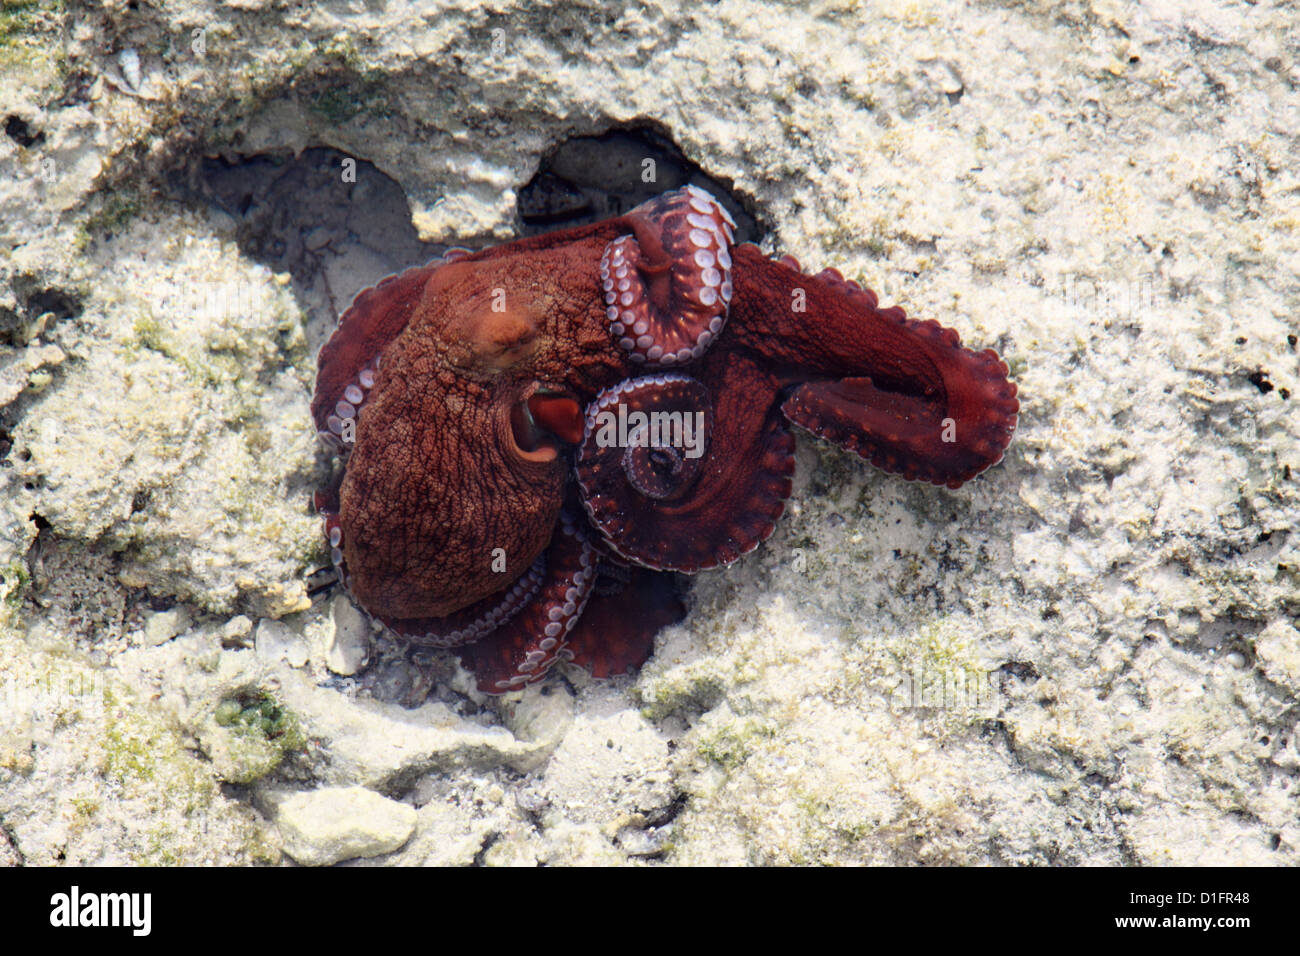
545, 416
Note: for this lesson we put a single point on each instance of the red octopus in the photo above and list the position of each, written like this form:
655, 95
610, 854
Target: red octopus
532, 432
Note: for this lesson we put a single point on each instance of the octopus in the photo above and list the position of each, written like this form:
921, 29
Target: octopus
534, 435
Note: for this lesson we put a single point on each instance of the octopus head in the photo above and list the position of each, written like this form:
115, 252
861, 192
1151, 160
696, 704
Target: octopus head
457, 477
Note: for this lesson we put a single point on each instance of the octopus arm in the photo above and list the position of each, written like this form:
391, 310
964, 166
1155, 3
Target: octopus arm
902, 393
526, 646
617, 631
376, 317
665, 510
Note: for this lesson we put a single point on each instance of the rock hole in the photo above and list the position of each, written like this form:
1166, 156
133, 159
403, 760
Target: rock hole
18, 327
20, 131
1020, 670
10, 326
63, 304
1259, 378
335, 223
588, 178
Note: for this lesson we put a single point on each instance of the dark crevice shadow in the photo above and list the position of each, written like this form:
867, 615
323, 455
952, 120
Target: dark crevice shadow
334, 223
588, 178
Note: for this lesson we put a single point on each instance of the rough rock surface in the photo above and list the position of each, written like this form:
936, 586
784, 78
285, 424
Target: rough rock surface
332, 824
1089, 655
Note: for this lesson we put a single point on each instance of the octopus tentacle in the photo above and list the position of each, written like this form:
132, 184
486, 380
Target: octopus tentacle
530, 643
617, 630
375, 318
668, 285
340, 423
620, 461
326, 501
477, 621
899, 392
682, 506
901, 434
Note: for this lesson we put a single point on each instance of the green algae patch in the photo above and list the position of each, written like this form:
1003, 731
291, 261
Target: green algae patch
142, 746
14, 579
29, 41
731, 744
17, 18
354, 89
690, 690
257, 733
114, 213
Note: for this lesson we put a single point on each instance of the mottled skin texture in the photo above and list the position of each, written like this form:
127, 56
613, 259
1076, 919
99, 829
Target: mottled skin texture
435, 461
465, 443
